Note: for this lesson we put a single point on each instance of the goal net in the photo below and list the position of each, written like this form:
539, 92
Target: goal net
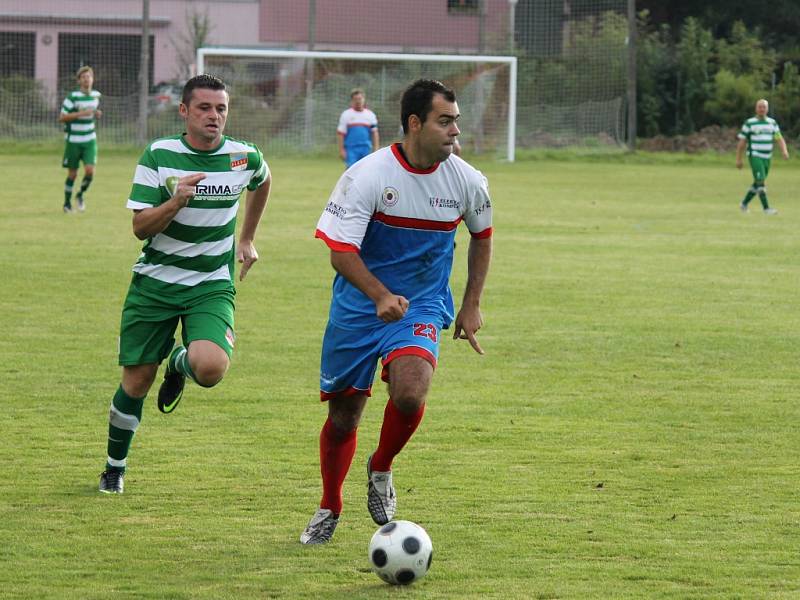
290, 101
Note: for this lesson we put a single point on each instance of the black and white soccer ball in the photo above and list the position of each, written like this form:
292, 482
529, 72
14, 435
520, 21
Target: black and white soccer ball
400, 552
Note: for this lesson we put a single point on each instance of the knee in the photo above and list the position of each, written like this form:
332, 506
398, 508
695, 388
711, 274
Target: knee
345, 423
89, 171
408, 401
137, 388
345, 413
209, 373
137, 381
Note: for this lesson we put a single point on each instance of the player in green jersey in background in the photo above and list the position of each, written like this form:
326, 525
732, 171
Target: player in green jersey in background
757, 135
184, 198
79, 111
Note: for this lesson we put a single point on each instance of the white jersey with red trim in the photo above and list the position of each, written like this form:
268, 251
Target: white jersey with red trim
403, 223
356, 126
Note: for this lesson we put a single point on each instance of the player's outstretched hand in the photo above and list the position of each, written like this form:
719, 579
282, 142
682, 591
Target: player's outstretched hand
247, 255
391, 307
468, 322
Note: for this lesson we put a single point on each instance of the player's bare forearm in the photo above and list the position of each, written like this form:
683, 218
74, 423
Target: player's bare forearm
150, 221
739, 152
478, 260
469, 319
340, 141
350, 266
388, 306
784, 148
376, 140
255, 205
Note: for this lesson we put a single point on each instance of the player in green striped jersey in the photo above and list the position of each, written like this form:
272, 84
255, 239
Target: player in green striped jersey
758, 135
78, 114
185, 197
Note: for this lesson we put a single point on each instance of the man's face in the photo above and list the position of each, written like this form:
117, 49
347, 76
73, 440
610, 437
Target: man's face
762, 108
358, 101
86, 80
439, 131
206, 114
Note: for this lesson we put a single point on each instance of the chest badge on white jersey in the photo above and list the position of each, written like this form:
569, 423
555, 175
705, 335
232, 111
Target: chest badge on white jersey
238, 161
390, 196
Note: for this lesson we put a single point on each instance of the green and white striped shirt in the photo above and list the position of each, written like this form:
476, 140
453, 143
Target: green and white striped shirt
80, 130
197, 247
760, 135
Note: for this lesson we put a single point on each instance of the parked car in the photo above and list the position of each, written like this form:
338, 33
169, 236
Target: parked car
164, 95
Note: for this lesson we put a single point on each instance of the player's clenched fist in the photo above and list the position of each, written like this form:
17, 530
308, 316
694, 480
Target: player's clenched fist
391, 307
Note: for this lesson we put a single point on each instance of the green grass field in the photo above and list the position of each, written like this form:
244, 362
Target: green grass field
632, 430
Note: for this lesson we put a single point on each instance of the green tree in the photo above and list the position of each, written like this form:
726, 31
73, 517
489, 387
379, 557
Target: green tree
785, 101
695, 52
744, 54
655, 68
734, 97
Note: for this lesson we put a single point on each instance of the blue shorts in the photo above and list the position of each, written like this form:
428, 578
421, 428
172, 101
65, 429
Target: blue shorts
350, 355
355, 154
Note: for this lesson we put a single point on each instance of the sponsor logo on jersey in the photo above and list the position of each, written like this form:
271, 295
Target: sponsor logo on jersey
390, 196
238, 161
230, 337
171, 184
485, 206
218, 190
443, 202
337, 211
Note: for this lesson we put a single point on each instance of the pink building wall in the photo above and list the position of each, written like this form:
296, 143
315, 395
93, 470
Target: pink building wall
383, 25
234, 22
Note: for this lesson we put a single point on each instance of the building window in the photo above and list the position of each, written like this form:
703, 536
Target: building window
17, 53
463, 7
114, 57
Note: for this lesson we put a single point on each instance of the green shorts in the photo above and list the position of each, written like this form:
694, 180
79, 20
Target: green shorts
75, 153
148, 325
760, 168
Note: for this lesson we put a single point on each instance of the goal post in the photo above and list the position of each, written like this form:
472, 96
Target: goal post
271, 85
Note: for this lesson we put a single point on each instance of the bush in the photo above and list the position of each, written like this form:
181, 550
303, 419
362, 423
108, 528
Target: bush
734, 97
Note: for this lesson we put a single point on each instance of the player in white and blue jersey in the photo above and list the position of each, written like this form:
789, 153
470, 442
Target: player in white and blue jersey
357, 132
390, 224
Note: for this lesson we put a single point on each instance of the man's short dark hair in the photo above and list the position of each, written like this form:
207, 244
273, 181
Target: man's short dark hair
206, 82
418, 99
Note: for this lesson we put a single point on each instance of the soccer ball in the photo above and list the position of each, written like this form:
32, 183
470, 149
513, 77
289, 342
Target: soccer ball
400, 552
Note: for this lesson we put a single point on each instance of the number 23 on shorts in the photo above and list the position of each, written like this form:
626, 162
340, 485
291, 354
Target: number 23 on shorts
427, 330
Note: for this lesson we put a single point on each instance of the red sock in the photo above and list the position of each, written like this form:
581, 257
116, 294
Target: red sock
336, 451
397, 429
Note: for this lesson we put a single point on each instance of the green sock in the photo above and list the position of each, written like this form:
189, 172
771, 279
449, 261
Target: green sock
179, 361
85, 183
68, 191
123, 420
762, 195
751, 193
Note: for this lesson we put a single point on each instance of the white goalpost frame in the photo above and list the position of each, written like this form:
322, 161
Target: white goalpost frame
511, 61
